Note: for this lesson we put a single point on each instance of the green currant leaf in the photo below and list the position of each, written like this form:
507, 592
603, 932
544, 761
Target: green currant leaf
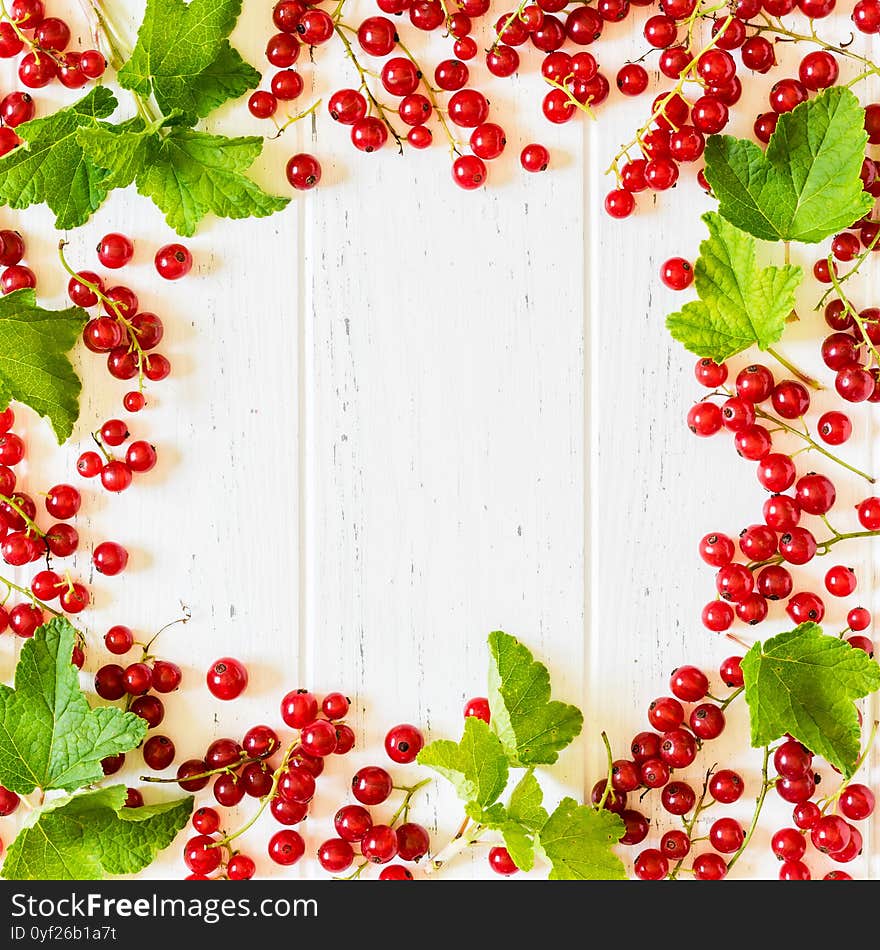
192, 174
476, 766
183, 57
520, 845
807, 185
579, 843
49, 736
741, 304
34, 367
525, 804
50, 166
120, 151
532, 728
805, 683
88, 836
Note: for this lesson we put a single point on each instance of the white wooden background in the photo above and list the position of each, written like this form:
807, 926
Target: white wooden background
402, 416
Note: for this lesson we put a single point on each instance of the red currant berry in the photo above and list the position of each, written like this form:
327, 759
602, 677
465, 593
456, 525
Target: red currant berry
227, 678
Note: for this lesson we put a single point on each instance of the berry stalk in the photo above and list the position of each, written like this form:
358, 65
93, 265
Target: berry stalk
689, 824
380, 109
134, 343
660, 110
766, 785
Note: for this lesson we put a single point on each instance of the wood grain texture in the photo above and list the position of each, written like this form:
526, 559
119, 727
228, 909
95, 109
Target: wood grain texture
403, 416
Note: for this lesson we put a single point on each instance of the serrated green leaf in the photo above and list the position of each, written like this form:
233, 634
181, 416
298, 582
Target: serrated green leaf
193, 174
807, 185
90, 835
492, 817
805, 683
525, 804
520, 845
183, 58
49, 736
34, 368
741, 304
579, 843
121, 153
532, 728
476, 766
50, 166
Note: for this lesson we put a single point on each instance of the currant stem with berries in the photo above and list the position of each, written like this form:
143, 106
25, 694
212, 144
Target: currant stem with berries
365, 85
10, 587
837, 282
402, 812
831, 801
110, 305
811, 444
690, 823
777, 28
851, 310
432, 96
660, 109
805, 378
32, 526
33, 46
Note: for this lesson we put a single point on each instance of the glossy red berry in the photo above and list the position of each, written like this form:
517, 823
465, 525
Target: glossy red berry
173, 261
303, 171
286, 847
227, 678
371, 785
403, 743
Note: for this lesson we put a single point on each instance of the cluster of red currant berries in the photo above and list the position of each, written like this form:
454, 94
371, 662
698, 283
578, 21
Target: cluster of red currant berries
850, 350
15, 275
127, 335
417, 97
771, 547
674, 745
116, 475
23, 541
656, 755
675, 136
288, 787
828, 829
43, 40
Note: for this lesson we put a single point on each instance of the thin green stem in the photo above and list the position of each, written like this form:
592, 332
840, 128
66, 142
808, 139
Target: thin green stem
33, 46
499, 33
112, 306
208, 773
16, 507
264, 801
403, 809
660, 109
812, 444
834, 798
759, 804
866, 253
432, 95
689, 824
777, 28
583, 106
724, 703
800, 374
383, 115
851, 310
10, 586
610, 756
184, 619
295, 118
